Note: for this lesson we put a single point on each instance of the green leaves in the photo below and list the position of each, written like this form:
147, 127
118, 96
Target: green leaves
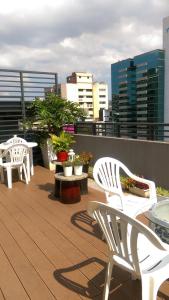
62, 142
53, 112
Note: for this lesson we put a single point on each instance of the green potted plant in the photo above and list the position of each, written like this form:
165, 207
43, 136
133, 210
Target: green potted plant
61, 144
67, 168
78, 165
48, 116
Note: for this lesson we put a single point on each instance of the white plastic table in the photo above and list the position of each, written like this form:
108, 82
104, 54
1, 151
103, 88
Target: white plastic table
30, 169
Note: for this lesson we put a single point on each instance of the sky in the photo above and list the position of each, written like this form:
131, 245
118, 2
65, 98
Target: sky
66, 36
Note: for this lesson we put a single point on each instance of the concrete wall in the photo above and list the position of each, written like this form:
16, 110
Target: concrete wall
147, 158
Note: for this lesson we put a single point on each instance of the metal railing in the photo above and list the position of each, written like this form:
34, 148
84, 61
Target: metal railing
143, 131
17, 89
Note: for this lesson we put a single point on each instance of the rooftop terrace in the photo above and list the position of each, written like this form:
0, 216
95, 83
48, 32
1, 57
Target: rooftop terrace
50, 250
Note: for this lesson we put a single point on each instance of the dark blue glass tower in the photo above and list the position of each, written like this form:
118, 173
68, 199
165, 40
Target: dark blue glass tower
137, 86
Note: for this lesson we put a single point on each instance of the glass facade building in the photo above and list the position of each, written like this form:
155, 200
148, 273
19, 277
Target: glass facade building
137, 86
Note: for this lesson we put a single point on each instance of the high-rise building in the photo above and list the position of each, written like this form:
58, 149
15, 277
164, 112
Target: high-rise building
138, 88
166, 82
91, 96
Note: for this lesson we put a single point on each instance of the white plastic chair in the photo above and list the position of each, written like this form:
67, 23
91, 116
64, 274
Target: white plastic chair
13, 158
133, 247
106, 173
18, 140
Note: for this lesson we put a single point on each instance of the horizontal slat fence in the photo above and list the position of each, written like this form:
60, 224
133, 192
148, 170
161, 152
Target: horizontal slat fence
17, 90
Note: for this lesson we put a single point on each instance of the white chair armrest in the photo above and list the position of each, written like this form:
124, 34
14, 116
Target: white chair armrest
150, 183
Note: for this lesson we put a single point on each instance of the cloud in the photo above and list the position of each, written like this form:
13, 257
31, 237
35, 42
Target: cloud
76, 35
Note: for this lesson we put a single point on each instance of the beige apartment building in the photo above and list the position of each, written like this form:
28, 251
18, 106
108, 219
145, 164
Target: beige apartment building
90, 95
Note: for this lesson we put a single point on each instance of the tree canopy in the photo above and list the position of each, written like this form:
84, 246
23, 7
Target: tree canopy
53, 112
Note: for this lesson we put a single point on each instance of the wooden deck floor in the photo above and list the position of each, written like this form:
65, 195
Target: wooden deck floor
50, 250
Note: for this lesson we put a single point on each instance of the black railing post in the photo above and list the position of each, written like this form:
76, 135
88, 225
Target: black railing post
118, 129
75, 128
22, 96
94, 128
56, 84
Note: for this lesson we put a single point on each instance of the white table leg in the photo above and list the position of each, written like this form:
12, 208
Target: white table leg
28, 166
31, 161
1, 169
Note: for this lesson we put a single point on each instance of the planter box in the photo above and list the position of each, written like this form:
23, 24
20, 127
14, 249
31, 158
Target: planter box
139, 192
123, 186
48, 155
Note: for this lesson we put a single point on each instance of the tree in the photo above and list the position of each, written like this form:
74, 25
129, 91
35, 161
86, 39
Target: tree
52, 113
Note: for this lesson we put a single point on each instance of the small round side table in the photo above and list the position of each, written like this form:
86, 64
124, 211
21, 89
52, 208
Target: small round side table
68, 188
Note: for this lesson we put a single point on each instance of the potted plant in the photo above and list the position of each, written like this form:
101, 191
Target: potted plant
85, 157
48, 116
78, 165
61, 144
67, 168
136, 187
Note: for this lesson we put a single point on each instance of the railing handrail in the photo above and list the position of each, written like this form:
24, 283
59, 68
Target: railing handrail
136, 130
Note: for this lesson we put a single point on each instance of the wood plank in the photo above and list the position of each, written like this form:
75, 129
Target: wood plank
1, 295
9, 282
41, 264
72, 253
32, 283
49, 248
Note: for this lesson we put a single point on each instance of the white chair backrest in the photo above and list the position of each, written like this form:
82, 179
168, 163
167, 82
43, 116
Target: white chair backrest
106, 173
16, 153
121, 233
16, 140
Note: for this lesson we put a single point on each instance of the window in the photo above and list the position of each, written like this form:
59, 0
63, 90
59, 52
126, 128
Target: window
80, 90
103, 90
102, 96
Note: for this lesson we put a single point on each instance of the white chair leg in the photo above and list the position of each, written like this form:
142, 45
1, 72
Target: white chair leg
107, 280
2, 174
25, 173
133, 277
9, 177
149, 290
20, 172
31, 161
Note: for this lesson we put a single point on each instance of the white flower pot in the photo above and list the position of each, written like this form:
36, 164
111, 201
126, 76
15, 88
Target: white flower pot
68, 171
78, 170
